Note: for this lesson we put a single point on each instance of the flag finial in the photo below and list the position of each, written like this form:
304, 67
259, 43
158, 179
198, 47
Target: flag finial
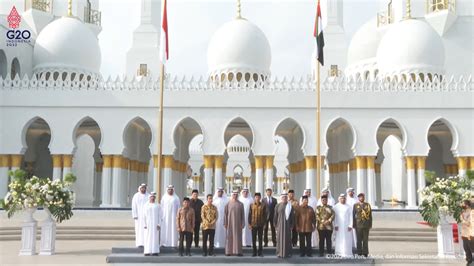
239, 10
69, 8
408, 15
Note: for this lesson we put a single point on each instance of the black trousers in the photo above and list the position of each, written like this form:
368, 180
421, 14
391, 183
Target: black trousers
325, 236
189, 238
468, 246
208, 234
305, 243
257, 232
294, 237
265, 231
197, 226
362, 241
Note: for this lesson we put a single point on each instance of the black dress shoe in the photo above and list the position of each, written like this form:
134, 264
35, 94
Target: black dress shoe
154, 254
204, 255
265, 245
301, 255
147, 254
309, 255
260, 255
254, 255
180, 254
240, 255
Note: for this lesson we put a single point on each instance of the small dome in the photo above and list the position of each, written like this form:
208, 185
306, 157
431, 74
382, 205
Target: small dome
362, 51
239, 47
238, 144
411, 47
67, 45
365, 42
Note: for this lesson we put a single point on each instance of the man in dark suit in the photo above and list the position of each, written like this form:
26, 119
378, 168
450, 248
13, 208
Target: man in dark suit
271, 202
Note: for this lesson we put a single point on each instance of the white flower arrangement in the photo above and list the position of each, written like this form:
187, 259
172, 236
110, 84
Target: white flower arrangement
444, 196
35, 192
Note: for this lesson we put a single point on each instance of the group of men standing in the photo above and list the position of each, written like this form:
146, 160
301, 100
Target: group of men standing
245, 221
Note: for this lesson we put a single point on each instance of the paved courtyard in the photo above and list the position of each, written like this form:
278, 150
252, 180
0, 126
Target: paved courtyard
86, 252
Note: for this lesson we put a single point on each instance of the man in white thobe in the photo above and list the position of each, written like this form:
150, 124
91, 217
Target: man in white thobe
331, 200
138, 203
152, 222
246, 232
170, 205
312, 202
220, 200
351, 199
343, 227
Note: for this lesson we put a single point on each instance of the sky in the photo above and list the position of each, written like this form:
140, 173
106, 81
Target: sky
288, 25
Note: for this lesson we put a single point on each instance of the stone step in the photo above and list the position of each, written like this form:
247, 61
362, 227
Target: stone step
388, 233
197, 258
75, 237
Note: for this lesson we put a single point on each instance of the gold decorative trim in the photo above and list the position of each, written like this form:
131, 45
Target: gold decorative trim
269, 162
107, 161
67, 160
4, 161
361, 162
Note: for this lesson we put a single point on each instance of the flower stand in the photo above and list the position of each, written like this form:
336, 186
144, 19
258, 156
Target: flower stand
48, 234
28, 234
445, 238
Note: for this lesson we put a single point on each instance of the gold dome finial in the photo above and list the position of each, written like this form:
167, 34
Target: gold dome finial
239, 10
69, 8
408, 16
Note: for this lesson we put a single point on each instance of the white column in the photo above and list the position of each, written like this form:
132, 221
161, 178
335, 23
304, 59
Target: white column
67, 164
4, 166
125, 197
116, 180
420, 166
208, 164
106, 188
218, 166
57, 166
167, 172
371, 189
411, 182
361, 174
97, 183
462, 165
269, 172
259, 187
310, 170
352, 173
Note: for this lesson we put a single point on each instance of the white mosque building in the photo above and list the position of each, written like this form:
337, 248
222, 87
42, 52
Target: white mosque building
398, 100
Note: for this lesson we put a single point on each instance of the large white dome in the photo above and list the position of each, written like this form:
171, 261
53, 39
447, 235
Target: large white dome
241, 47
67, 45
411, 47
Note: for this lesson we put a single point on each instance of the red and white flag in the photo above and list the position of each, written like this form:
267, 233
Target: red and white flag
318, 36
164, 53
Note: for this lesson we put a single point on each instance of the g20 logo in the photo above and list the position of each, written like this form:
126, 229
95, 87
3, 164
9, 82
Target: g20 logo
18, 34
15, 35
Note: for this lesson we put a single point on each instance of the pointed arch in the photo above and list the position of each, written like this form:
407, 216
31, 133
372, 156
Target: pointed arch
87, 122
290, 124
246, 130
388, 122
337, 122
452, 129
43, 124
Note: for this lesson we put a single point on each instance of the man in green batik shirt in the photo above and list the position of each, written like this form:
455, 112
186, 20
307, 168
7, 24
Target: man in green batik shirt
324, 218
362, 223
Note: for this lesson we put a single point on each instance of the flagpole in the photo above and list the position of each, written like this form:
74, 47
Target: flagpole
318, 130
160, 132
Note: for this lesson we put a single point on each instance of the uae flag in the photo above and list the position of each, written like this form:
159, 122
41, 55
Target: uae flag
318, 36
164, 54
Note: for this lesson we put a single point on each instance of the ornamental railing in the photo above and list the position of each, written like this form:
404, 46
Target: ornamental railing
92, 16
41, 5
302, 84
433, 6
